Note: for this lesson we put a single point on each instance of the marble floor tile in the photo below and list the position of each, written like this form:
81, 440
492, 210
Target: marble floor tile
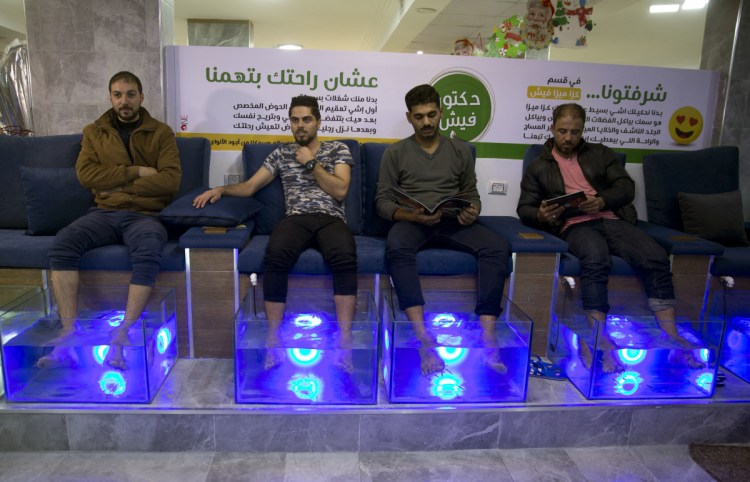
175, 383
133, 467
614, 464
458, 465
323, 467
247, 467
670, 463
210, 384
553, 464
28, 466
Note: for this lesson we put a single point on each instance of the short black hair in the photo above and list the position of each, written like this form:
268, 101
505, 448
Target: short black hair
305, 101
571, 110
127, 77
422, 94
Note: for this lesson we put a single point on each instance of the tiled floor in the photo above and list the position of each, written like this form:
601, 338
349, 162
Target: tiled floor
642, 463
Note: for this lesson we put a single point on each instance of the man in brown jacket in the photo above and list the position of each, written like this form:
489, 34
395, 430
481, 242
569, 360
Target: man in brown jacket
130, 162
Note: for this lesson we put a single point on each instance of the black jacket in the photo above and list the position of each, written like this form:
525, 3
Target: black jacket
601, 168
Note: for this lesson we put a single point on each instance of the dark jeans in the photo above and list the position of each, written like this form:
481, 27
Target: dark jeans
144, 236
294, 234
593, 242
405, 239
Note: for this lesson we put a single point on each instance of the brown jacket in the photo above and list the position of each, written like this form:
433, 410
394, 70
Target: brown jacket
104, 166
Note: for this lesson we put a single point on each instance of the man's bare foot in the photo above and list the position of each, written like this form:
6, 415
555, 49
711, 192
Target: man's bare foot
492, 356
116, 358
429, 359
59, 357
585, 353
610, 364
66, 333
274, 354
119, 337
343, 359
685, 357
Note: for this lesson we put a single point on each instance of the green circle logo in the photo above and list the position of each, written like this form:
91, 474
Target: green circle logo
467, 105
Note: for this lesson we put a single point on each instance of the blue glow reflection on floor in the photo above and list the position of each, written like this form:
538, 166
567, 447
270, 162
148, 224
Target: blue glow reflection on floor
308, 320
112, 383
100, 353
628, 382
452, 355
163, 339
304, 357
115, 318
447, 386
705, 380
631, 356
306, 387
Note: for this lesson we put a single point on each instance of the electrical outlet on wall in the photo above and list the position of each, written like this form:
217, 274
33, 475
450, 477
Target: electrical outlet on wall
497, 187
232, 178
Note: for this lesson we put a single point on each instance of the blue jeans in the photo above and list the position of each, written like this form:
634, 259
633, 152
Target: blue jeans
593, 242
405, 239
294, 234
144, 236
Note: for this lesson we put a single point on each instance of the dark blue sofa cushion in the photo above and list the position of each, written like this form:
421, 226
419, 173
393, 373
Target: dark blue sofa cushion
370, 257
272, 196
54, 198
195, 155
47, 151
705, 171
22, 251
372, 153
228, 211
716, 217
734, 262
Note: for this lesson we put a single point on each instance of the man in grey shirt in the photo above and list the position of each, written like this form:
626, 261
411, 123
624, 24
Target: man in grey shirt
429, 167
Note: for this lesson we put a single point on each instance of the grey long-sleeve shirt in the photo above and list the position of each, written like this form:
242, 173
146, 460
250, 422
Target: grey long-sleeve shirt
426, 177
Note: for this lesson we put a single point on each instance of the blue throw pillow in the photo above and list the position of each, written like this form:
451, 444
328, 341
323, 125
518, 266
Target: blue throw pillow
54, 198
228, 211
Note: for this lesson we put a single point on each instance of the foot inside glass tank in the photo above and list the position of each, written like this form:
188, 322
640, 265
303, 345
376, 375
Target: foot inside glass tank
471, 366
735, 354
307, 361
87, 366
634, 358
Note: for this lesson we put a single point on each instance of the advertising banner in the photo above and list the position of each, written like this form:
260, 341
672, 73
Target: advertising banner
234, 96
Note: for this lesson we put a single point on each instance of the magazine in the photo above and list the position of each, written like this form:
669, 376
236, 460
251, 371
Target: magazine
570, 202
458, 200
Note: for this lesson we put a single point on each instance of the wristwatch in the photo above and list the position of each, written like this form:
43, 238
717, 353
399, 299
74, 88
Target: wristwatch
310, 165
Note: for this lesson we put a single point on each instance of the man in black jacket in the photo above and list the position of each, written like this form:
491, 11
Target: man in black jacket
602, 225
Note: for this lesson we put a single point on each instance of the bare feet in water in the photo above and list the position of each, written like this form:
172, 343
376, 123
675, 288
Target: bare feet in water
343, 359
610, 364
59, 357
274, 354
492, 355
429, 359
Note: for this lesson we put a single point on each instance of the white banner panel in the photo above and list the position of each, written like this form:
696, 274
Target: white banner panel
238, 95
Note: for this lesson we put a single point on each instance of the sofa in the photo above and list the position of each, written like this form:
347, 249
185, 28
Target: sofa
40, 194
244, 248
697, 192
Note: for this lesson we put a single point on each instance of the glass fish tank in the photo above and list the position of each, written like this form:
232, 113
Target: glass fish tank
631, 354
733, 306
95, 361
9, 296
453, 357
309, 357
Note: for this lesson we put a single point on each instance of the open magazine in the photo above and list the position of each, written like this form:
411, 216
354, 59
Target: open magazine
458, 200
570, 202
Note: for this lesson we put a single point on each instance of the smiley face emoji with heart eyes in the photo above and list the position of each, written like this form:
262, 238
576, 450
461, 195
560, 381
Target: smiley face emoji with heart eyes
685, 125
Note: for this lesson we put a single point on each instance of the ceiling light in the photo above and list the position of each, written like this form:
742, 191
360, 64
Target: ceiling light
426, 10
694, 4
419, 52
664, 8
289, 47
